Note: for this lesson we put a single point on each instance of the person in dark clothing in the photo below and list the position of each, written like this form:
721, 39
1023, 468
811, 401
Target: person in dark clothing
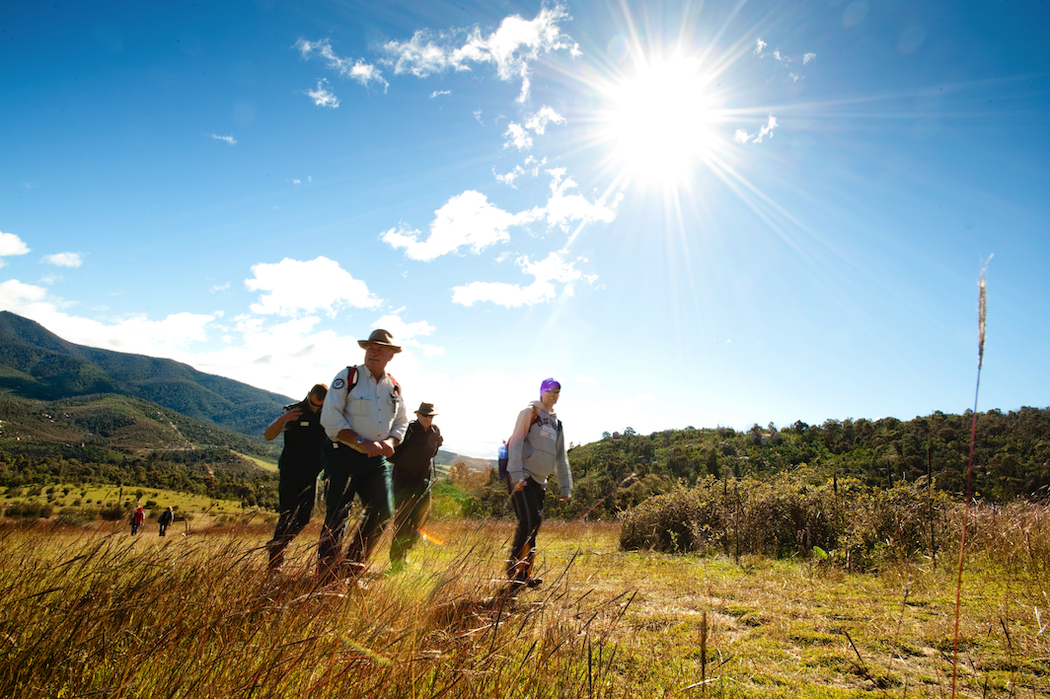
164, 519
301, 460
413, 461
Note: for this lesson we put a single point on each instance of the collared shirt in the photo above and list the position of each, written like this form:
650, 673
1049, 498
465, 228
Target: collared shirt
372, 409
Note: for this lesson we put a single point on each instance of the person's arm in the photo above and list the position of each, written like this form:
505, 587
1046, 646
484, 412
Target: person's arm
515, 465
277, 426
335, 425
561, 465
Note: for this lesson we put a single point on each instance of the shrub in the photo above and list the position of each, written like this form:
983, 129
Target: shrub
29, 510
685, 519
75, 516
113, 513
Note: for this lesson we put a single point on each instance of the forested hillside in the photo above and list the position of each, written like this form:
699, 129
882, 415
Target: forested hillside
37, 364
122, 440
1011, 458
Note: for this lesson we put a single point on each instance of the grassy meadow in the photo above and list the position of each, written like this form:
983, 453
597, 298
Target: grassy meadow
95, 612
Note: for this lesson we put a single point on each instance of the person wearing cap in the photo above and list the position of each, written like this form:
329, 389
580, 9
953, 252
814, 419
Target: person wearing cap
365, 418
301, 460
413, 461
535, 451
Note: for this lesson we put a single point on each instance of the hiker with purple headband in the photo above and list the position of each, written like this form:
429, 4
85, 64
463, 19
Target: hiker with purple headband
535, 451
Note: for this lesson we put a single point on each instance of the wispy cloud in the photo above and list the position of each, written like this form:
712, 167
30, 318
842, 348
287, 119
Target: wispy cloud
547, 272
808, 57
466, 220
517, 135
229, 139
760, 46
743, 136
353, 69
11, 244
64, 259
220, 287
331, 287
438, 93
563, 208
531, 167
512, 48
322, 97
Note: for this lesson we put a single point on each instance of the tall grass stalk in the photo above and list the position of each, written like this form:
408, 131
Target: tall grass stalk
981, 318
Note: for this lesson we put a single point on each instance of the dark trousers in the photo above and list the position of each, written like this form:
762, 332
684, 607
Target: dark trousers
296, 491
412, 506
528, 506
352, 473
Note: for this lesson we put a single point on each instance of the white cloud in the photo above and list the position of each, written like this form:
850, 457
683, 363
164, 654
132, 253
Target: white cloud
228, 139
767, 129
776, 55
760, 46
322, 97
220, 287
742, 136
356, 70
809, 57
11, 244
467, 219
64, 259
538, 121
404, 333
512, 47
509, 178
296, 287
547, 271
517, 136
563, 209
134, 333
437, 93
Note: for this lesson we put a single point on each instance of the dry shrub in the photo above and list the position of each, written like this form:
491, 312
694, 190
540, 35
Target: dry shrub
789, 515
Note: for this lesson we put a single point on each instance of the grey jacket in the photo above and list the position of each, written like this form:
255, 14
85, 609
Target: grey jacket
537, 449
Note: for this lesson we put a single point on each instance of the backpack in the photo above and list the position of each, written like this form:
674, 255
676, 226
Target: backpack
351, 380
504, 455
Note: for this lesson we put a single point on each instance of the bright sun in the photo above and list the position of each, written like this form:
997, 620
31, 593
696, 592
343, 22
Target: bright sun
660, 123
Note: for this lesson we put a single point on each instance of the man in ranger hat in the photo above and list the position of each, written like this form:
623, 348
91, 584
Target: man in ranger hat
413, 461
365, 418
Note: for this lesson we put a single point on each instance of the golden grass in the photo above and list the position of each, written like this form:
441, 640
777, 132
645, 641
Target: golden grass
98, 613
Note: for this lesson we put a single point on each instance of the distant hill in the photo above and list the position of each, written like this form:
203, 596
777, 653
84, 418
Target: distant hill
37, 364
111, 438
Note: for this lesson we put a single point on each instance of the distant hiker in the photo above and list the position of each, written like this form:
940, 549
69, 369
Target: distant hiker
301, 460
137, 518
165, 519
413, 460
365, 418
535, 451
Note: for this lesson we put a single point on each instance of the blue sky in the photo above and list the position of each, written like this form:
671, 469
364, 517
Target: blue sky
689, 213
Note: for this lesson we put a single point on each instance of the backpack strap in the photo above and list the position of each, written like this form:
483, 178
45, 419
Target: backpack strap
397, 386
351, 378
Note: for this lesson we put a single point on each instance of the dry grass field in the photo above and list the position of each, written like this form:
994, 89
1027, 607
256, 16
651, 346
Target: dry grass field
95, 612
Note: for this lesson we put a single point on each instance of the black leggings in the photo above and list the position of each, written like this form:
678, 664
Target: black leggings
528, 506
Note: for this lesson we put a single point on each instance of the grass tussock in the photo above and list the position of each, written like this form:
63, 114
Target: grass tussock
90, 612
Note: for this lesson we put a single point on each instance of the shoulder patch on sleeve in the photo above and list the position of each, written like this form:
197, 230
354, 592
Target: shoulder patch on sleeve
338, 383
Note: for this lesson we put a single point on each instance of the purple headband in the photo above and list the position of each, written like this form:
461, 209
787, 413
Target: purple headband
549, 385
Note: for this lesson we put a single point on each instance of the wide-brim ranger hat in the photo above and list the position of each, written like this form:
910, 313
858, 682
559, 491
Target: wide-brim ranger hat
379, 337
426, 410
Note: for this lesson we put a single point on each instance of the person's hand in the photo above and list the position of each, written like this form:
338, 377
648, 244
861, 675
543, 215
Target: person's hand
292, 414
386, 449
519, 486
371, 448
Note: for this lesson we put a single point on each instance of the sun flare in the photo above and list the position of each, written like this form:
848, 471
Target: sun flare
660, 122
